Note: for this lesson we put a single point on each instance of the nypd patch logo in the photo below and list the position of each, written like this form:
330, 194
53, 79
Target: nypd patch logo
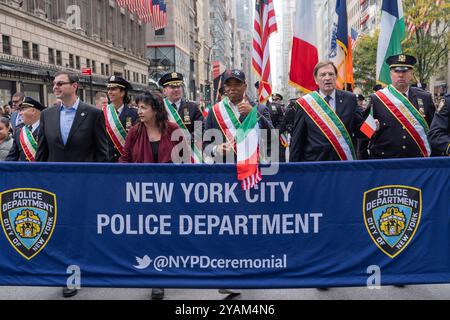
28, 219
392, 215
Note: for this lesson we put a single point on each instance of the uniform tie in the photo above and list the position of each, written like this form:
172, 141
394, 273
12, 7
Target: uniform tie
327, 99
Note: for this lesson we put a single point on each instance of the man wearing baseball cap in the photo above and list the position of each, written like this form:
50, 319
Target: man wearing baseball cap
235, 90
403, 114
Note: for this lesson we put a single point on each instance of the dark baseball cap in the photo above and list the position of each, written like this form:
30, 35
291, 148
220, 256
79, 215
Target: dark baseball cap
234, 74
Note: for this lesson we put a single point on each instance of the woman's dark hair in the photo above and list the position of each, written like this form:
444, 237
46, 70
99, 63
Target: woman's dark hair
5, 121
155, 100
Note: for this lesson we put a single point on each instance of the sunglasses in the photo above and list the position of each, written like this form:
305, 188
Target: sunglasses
60, 83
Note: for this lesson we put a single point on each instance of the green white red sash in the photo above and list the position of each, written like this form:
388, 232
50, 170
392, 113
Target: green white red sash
329, 123
227, 120
196, 154
114, 127
408, 116
245, 140
28, 143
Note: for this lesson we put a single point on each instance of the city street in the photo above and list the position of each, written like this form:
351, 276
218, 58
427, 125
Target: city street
413, 292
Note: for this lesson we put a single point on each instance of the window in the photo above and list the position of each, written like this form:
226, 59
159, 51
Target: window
51, 56
102, 68
94, 67
88, 63
6, 44
71, 64
160, 32
107, 70
35, 51
26, 49
58, 58
77, 62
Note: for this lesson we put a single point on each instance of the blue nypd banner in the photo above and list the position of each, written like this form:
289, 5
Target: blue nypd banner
191, 226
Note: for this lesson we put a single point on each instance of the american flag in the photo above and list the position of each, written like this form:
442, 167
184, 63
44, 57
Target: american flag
159, 15
354, 37
265, 23
147, 11
424, 24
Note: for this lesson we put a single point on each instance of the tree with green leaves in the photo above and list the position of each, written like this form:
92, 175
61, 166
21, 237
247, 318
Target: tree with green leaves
365, 61
429, 43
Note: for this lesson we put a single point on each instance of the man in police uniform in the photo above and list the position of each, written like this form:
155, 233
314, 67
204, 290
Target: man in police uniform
118, 89
30, 111
439, 134
189, 112
392, 139
276, 109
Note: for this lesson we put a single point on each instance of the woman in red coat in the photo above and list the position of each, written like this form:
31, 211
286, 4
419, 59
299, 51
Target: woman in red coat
150, 139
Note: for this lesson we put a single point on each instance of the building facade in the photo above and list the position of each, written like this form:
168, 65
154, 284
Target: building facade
41, 37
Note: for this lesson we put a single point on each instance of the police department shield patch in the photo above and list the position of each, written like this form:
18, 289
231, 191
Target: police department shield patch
28, 218
392, 215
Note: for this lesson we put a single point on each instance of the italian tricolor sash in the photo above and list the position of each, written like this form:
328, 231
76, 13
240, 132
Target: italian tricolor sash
329, 123
245, 140
28, 143
196, 154
227, 120
114, 127
408, 116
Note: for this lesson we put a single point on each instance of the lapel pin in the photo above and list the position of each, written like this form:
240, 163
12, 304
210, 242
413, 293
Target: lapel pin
83, 114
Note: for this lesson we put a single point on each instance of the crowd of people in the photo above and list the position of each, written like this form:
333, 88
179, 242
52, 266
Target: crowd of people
324, 125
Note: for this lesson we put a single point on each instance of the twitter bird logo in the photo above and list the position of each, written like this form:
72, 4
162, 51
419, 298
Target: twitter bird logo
143, 262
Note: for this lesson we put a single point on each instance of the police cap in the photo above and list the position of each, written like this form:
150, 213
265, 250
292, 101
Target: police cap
29, 102
171, 79
401, 62
119, 82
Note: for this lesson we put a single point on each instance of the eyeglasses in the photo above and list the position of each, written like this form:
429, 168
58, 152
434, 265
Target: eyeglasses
60, 83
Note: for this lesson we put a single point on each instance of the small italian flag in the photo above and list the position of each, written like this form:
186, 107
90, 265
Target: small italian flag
369, 127
247, 149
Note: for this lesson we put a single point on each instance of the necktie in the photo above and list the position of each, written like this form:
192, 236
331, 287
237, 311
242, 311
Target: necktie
327, 99
30, 127
174, 106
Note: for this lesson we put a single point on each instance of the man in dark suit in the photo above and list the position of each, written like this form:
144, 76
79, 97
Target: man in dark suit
392, 139
235, 87
308, 141
439, 134
118, 89
25, 138
16, 118
73, 132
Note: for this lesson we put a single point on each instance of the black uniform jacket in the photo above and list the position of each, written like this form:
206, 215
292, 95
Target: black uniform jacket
439, 134
392, 140
16, 152
128, 118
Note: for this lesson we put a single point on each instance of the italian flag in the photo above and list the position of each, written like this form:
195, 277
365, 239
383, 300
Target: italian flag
304, 47
369, 127
247, 149
392, 33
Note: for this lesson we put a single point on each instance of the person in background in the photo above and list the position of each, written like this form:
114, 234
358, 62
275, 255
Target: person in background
101, 100
439, 134
6, 141
16, 119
